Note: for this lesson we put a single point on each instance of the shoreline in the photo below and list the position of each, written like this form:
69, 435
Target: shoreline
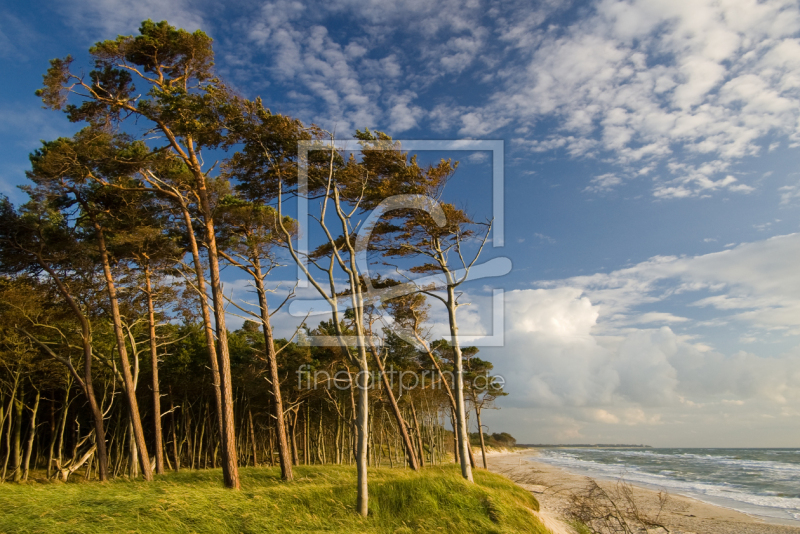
682, 514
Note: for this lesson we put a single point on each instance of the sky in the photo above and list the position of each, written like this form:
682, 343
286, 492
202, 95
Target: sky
651, 201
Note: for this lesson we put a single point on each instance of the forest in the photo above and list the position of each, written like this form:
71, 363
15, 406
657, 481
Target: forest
115, 358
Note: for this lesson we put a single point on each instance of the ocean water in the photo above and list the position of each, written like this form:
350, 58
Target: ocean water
759, 482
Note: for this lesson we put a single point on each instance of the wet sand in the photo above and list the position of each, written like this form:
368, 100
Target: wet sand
552, 486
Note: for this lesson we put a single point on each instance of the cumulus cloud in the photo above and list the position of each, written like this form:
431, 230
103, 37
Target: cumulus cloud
553, 357
588, 353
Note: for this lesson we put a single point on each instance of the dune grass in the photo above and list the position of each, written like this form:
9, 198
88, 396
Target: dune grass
320, 500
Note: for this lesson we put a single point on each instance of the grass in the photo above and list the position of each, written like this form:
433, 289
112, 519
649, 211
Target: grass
579, 527
321, 499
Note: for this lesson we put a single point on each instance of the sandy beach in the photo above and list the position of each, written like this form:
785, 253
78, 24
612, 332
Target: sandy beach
681, 515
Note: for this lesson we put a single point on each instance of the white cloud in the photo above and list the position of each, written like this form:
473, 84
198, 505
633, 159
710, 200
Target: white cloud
603, 416
690, 86
660, 80
582, 354
789, 193
478, 157
658, 317
553, 358
104, 19
604, 182
404, 115
370, 77
753, 283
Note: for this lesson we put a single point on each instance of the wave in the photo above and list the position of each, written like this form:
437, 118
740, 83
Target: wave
684, 475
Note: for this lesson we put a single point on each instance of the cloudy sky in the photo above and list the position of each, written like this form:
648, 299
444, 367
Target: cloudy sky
652, 203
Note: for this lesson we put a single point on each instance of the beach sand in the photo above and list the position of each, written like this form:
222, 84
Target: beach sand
681, 515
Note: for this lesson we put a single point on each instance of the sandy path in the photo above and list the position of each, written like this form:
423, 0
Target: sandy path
681, 515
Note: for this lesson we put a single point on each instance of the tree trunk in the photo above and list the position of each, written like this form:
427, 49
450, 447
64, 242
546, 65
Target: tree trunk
29, 448
151, 319
230, 464
199, 444
480, 433
271, 449
275, 386
419, 436
208, 328
175, 450
252, 436
461, 420
77, 463
401, 424
362, 427
19, 404
53, 434
295, 458
338, 436
456, 455
353, 419
86, 383
306, 458
120, 448
130, 387
190, 429
133, 453
452, 400
8, 416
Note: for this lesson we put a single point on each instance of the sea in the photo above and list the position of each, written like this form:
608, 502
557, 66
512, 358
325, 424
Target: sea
760, 482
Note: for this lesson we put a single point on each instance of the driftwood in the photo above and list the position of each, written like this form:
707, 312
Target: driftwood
64, 470
614, 510
72, 466
600, 509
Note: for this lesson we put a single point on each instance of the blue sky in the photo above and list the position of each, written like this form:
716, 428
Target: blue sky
652, 195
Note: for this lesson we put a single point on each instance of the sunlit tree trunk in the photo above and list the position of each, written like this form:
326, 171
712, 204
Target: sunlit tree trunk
151, 321
208, 327
130, 388
362, 428
230, 464
419, 435
175, 445
272, 362
401, 424
480, 433
461, 420
252, 436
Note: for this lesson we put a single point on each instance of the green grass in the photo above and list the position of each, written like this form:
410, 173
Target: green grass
321, 499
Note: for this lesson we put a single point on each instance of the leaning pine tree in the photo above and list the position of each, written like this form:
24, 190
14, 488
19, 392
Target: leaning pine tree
62, 172
433, 238
248, 235
177, 96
